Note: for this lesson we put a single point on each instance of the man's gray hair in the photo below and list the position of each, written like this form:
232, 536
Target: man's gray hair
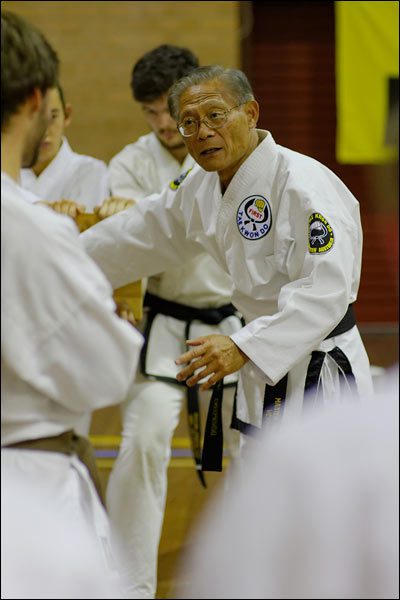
233, 79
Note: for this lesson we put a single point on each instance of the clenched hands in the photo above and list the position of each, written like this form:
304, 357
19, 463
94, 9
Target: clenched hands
112, 206
216, 355
125, 312
65, 207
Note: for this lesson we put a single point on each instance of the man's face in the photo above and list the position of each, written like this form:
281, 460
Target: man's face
226, 148
58, 121
161, 123
37, 132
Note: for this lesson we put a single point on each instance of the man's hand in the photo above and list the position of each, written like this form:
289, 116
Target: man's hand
216, 355
112, 205
66, 207
124, 311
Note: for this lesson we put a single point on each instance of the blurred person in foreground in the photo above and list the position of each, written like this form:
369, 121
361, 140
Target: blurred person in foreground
46, 553
64, 351
288, 232
315, 514
68, 182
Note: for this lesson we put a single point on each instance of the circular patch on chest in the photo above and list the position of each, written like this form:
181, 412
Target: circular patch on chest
254, 217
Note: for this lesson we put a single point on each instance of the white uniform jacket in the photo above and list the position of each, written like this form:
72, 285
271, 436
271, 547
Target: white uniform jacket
139, 170
144, 168
288, 232
64, 352
70, 176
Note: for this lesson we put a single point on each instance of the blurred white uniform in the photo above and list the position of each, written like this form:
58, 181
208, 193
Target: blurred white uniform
64, 352
315, 514
288, 232
137, 487
47, 548
70, 176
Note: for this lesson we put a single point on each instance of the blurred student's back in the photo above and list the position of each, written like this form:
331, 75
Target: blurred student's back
315, 515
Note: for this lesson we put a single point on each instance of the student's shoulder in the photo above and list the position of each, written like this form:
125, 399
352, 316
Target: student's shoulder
84, 163
39, 224
191, 178
85, 159
141, 149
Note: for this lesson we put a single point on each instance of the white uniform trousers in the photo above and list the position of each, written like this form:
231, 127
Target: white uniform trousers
72, 522
137, 486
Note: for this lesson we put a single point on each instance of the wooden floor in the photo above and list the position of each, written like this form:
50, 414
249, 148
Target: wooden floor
186, 497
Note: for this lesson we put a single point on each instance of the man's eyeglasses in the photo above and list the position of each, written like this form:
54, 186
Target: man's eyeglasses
215, 119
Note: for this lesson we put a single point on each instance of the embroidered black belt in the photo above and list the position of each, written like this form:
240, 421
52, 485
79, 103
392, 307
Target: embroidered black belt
182, 312
274, 397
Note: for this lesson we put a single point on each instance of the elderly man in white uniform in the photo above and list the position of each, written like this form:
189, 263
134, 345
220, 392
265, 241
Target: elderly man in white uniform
282, 225
60, 174
190, 300
64, 351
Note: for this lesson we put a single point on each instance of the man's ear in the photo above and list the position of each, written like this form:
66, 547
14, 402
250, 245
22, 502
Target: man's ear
252, 110
67, 114
34, 101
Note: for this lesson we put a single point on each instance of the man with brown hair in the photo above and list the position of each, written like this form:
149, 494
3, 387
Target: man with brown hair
59, 174
63, 349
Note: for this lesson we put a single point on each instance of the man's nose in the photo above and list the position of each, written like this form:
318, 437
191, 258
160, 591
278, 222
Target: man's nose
204, 131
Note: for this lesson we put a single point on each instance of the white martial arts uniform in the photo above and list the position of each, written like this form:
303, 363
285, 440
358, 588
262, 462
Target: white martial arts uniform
64, 352
314, 515
288, 231
70, 176
48, 547
137, 486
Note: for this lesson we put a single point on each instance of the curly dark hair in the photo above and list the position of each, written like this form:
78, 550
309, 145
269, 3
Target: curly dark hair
27, 62
158, 69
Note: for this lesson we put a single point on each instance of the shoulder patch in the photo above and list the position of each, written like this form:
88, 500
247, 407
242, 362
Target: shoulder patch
177, 182
320, 234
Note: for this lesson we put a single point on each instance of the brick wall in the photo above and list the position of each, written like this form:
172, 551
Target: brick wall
98, 43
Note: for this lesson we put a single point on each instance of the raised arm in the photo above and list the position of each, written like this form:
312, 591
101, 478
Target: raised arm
145, 239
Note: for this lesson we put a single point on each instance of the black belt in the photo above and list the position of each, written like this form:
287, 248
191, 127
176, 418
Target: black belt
274, 397
314, 370
182, 312
348, 321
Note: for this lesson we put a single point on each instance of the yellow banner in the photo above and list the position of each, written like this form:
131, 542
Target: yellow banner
367, 47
